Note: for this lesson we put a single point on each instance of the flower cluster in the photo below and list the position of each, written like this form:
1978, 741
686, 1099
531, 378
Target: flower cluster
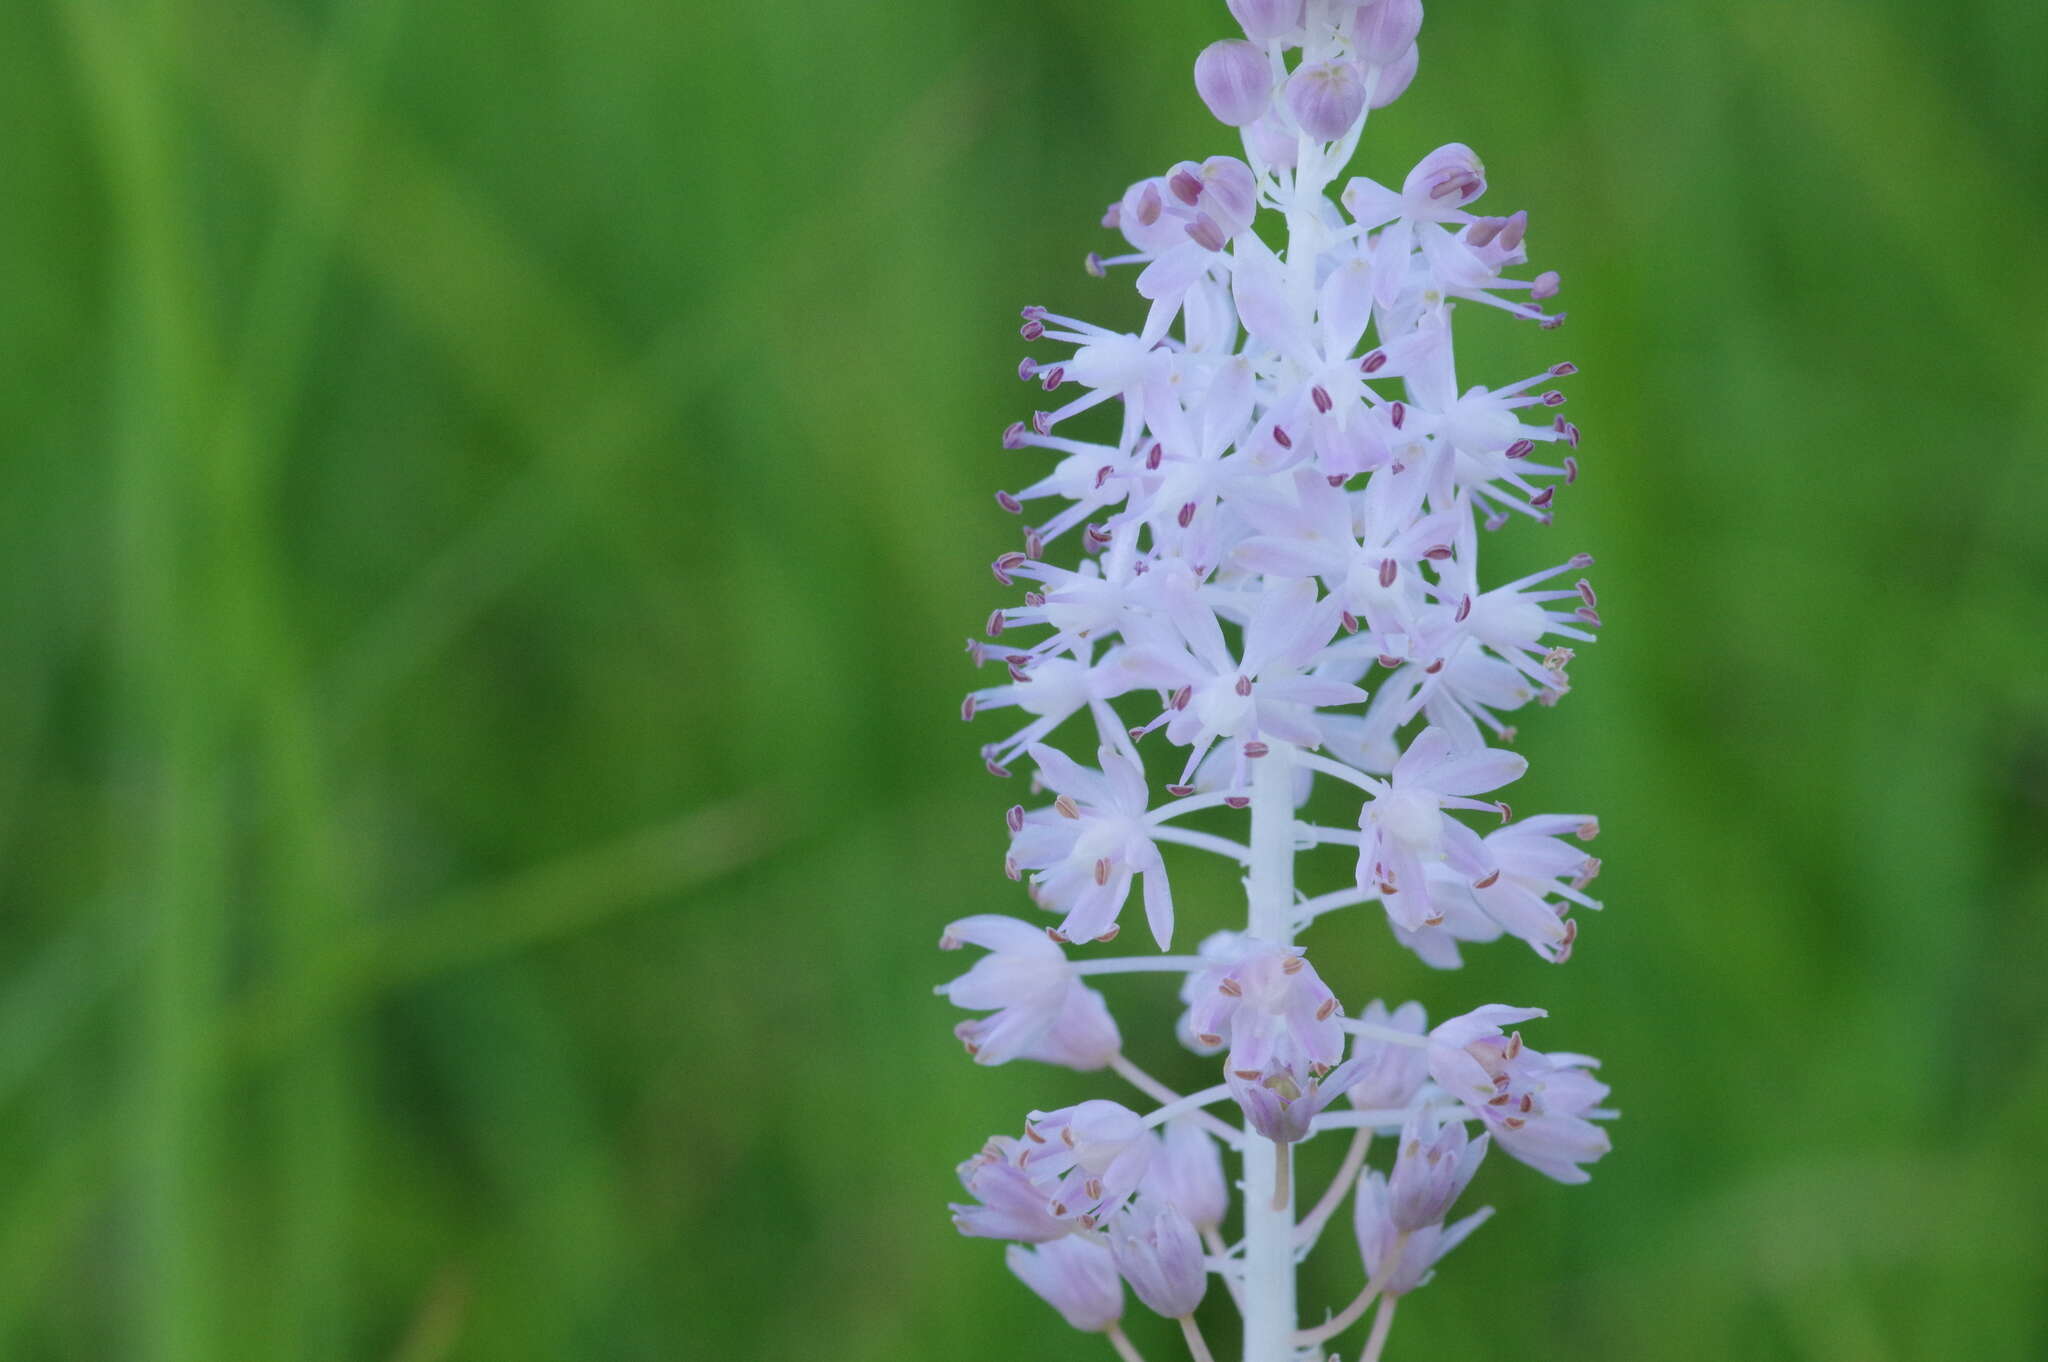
1252, 575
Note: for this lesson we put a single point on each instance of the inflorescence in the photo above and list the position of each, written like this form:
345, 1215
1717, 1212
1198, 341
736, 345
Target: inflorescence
1271, 585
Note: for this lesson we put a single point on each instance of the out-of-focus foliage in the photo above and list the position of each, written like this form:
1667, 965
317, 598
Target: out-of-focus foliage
492, 497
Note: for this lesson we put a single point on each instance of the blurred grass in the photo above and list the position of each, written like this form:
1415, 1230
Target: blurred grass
490, 493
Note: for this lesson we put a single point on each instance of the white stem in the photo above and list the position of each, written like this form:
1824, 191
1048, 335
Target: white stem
1381, 1322
1206, 841
1194, 1101
1140, 964
1197, 1345
1159, 1092
1125, 1349
1269, 1300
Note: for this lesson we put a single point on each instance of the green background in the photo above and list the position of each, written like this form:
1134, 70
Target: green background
493, 497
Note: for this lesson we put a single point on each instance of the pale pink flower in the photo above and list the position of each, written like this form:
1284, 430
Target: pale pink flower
1076, 1276
1536, 1105
1041, 1008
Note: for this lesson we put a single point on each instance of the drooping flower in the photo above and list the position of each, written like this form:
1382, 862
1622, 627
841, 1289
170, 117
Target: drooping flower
1537, 1106
1160, 1255
1075, 1275
1400, 1260
1088, 1159
1041, 1009
1008, 1204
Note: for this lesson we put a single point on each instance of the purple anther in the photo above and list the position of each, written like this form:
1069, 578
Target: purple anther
1034, 544
1182, 696
967, 708
1027, 368
1545, 285
1282, 438
1581, 560
1255, 750
1373, 362
1571, 468
1206, 232
1541, 501
1506, 814
1150, 206
1187, 514
1484, 230
1154, 455
1180, 791
1563, 370
1464, 608
995, 770
1104, 473
1035, 599
1388, 662
1585, 590
1571, 434
1002, 565
1093, 264
1031, 331
1397, 413
1186, 187
1041, 421
1017, 672
1009, 862
1013, 818
1009, 503
1349, 621
1512, 230
1437, 553
1034, 313
1552, 323
995, 623
1244, 685
1520, 449
1337, 479
1589, 615
1433, 668
1013, 435
1237, 801
1321, 397
1389, 569
1553, 398
1053, 377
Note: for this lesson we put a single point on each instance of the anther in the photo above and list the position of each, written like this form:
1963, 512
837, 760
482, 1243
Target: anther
1349, 621
1009, 503
1488, 882
1230, 988
1255, 750
1065, 807
995, 623
1373, 362
1013, 817
1237, 801
1397, 412
1282, 438
1464, 608
967, 708
1187, 514
1293, 964
1102, 870
1323, 1012
1244, 685
1389, 569
1506, 812
1321, 397
1093, 264
1520, 449
1180, 791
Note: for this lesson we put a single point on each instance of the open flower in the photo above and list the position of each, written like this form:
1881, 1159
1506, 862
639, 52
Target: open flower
1041, 1009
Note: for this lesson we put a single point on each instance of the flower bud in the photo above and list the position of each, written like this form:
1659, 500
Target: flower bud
1385, 29
1326, 98
1076, 1276
1431, 1170
1271, 143
1394, 78
1234, 80
1263, 19
1160, 1255
1187, 1173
